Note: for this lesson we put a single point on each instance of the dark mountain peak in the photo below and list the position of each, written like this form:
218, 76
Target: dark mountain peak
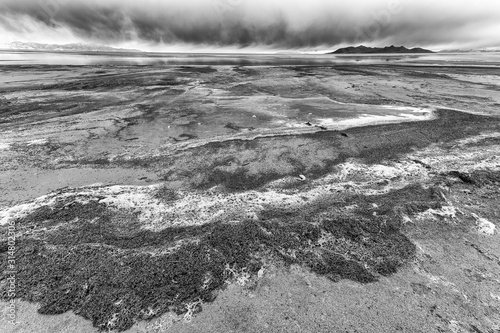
372, 50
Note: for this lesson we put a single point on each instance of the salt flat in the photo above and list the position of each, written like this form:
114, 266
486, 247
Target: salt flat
269, 197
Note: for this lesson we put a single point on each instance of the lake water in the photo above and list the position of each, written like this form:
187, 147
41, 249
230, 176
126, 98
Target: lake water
66, 58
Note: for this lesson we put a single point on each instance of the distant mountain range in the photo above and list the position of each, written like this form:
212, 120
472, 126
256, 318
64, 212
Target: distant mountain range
371, 50
74, 47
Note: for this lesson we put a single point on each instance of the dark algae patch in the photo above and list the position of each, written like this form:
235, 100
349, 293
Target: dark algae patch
81, 255
315, 154
85, 257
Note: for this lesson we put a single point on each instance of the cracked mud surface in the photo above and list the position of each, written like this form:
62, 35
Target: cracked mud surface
205, 199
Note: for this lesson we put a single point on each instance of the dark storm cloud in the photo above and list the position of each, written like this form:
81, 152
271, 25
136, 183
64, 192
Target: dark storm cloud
280, 23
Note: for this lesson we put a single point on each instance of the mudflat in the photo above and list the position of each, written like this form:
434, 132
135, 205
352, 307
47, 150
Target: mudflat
251, 198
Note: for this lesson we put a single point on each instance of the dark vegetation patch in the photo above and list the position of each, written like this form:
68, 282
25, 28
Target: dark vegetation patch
404, 137
197, 70
98, 161
304, 71
238, 128
243, 70
486, 177
85, 263
463, 176
366, 143
63, 211
31, 111
227, 161
187, 136
246, 89
149, 113
427, 75
113, 81
376, 100
239, 180
356, 70
169, 81
477, 177
94, 83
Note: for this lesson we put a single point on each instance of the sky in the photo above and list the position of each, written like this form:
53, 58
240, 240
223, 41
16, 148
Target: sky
239, 25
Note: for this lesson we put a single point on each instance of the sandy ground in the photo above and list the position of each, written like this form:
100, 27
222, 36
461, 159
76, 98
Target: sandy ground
176, 147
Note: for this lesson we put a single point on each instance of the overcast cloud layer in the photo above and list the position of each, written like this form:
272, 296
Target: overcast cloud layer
275, 24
